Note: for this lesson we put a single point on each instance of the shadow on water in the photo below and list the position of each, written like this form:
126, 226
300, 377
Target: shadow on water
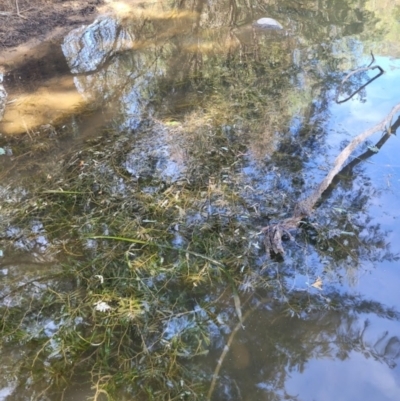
140, 160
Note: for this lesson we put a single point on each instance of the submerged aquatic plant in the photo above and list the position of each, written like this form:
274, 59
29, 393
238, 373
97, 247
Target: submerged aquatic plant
147, 265
127, 302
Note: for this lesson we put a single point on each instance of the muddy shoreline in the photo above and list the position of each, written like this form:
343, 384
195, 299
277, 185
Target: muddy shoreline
39, 25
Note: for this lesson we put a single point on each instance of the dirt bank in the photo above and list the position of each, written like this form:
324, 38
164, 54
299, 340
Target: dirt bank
26, 24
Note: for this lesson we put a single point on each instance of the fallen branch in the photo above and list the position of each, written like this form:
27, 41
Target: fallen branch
364, 156
273, 233
221, 360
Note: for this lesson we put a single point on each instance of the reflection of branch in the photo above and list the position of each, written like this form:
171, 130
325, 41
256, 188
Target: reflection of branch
358, 70
274, 232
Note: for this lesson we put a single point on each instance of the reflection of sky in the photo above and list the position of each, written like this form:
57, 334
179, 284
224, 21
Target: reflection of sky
383, 169
381, 95
361, 378
350, 119
357, 378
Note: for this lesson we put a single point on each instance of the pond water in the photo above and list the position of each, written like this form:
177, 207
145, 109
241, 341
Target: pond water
214, 128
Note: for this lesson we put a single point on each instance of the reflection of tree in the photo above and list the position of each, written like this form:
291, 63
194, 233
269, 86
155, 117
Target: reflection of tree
232, 94
262, 79
230, 76
276, 345
271, 93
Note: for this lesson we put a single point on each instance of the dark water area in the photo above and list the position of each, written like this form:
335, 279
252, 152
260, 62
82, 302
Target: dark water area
203, 127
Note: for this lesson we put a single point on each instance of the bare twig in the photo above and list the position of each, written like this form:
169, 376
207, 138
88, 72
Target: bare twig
18, 13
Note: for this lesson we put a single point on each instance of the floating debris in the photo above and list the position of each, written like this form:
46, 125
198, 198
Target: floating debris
268, 23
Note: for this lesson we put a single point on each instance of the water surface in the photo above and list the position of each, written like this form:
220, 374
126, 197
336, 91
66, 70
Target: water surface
198, 95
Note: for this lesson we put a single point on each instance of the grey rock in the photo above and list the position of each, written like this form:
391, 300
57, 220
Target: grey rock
88, 48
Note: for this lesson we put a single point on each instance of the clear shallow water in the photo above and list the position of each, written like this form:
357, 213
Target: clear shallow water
364, 372
274, 92
362, 375
332, 380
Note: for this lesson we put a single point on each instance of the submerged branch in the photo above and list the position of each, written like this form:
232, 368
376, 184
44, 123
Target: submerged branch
364, 156
304, 208
226, 349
